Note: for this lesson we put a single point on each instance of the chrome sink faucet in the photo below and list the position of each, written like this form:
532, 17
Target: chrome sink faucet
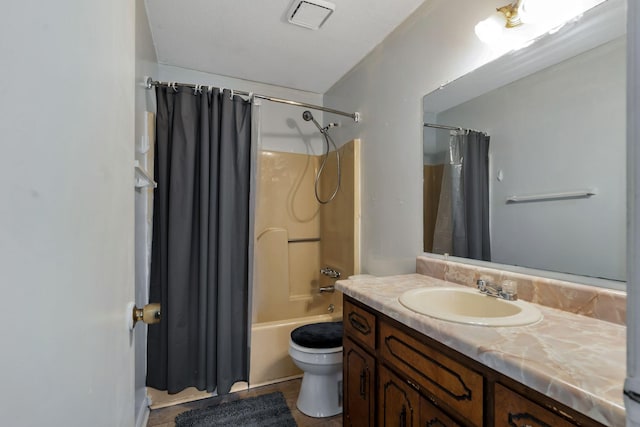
507, 291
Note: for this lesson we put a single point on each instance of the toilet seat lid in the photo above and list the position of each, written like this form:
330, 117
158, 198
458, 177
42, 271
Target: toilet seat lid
318, 335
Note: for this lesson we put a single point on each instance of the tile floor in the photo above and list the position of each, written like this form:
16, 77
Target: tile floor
165, 417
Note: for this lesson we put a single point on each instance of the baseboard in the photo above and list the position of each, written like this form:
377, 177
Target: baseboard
277, 380
143, 413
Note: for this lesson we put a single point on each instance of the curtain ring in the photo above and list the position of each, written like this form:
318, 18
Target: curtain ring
231, 94
173, 86
210, 89
250, 97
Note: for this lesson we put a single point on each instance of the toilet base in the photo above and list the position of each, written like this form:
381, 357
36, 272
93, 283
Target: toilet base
320, 395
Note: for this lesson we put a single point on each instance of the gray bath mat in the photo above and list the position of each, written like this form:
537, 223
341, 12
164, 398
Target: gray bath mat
267, 410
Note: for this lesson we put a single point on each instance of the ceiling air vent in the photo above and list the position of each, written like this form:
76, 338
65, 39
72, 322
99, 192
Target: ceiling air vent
310, 13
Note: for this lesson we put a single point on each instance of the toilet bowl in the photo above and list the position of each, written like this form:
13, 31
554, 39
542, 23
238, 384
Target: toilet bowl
317, 350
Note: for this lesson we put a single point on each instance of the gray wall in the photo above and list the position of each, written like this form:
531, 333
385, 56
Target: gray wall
560, 129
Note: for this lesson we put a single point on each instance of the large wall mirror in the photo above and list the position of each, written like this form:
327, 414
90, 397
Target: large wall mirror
555, 115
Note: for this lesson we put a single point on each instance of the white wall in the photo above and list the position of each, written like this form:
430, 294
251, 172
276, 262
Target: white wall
145, 65
282, 127
435, 45
560, 129
66, 218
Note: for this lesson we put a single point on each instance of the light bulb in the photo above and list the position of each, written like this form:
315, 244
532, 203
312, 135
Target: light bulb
491, 29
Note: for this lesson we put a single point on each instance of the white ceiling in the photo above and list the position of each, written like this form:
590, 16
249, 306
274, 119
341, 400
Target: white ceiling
252, 40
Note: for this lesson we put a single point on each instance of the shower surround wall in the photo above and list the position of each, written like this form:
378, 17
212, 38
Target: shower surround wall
286, 271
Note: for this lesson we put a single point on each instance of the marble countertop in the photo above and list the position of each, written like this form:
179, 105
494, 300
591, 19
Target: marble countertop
576, 360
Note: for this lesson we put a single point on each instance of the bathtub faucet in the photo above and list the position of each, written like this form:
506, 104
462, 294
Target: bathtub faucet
331, 272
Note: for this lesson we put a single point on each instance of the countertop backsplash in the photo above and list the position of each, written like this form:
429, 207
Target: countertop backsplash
600, 303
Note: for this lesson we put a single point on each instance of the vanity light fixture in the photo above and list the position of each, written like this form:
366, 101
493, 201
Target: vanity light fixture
492, 28
548, 15
511, 13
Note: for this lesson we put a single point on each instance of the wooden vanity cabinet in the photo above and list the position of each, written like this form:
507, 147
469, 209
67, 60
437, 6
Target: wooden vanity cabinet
395, 376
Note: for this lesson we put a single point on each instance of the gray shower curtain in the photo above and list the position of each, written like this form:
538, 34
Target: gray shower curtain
199, 261
473, 241
462, 222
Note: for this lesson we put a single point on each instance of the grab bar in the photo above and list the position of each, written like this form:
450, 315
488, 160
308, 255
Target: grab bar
551, 196
304, 239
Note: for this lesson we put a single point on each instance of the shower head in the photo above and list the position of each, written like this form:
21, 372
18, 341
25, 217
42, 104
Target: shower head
307, 115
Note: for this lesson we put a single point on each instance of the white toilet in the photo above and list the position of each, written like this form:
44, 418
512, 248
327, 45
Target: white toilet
317, 350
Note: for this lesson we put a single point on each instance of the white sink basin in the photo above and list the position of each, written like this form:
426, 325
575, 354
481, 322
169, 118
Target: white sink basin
469, 306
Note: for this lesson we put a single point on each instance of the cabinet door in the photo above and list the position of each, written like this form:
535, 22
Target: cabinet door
431, 416
399, 404
359, 386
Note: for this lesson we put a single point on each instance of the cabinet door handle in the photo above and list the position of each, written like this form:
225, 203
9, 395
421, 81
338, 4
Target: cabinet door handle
359, 323
513, 418
403, 416
363, 383
435, 422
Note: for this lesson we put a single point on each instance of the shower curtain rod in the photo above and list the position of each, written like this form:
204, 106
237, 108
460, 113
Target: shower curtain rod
149, 83
437, 126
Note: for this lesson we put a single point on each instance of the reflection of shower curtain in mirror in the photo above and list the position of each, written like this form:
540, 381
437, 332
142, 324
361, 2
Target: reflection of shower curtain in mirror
462, 223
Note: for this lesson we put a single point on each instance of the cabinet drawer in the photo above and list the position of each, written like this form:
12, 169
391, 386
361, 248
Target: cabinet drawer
360, 324
511, 409
431, 416
444, 379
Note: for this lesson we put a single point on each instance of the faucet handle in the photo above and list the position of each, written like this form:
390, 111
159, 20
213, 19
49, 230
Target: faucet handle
330, 272
481, 284
510, 289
